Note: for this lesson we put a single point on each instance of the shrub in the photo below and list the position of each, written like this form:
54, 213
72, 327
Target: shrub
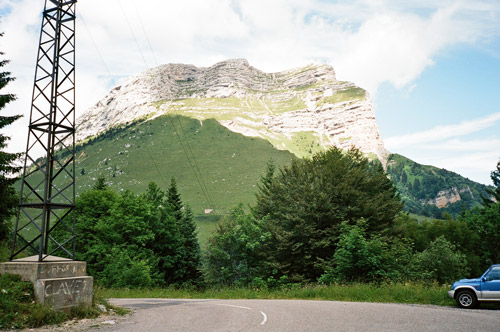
442, 262
360, 258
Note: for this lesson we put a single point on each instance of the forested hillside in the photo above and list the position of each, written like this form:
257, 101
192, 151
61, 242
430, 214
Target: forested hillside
432, 191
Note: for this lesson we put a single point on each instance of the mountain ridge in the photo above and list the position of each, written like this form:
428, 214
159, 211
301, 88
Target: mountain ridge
285, 108
301, 111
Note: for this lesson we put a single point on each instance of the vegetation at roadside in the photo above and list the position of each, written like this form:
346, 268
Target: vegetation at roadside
19, 310
416, 293
131, 240
336, 218
331, 219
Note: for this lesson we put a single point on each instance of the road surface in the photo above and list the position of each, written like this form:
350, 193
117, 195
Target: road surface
285, 315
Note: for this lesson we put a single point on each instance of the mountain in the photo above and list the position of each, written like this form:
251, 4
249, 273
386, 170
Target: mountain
302, 110
431, 191
214, 129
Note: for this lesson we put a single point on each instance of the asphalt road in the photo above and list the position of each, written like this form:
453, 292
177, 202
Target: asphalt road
284, 315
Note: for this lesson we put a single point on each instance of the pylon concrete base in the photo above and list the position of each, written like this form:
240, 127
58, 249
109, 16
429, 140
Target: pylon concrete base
59, 282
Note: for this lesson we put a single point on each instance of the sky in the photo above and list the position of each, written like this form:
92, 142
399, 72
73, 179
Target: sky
432, 68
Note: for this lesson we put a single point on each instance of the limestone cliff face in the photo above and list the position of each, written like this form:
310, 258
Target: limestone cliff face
302, 110
446, 197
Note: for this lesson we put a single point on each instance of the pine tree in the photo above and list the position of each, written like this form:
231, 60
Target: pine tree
494, 193
189, 263
174, 199
100, 183
264, 197
167, 243
8, 196
404, 177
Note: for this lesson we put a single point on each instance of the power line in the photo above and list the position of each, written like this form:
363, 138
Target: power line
97, 49
188, 152
192, 164
194, 161
133, 34
144, 31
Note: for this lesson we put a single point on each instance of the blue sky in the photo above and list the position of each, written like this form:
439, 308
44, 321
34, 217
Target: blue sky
432, 70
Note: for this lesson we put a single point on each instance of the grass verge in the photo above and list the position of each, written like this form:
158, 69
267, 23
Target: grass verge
410, 293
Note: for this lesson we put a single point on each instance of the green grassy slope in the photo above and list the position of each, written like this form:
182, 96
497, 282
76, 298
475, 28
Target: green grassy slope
203, 156
208, 160
419, 184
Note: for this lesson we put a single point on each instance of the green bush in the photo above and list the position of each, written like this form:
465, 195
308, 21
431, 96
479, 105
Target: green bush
442, 262
15, 297
363, 259
124, 271
131, 240
235, 253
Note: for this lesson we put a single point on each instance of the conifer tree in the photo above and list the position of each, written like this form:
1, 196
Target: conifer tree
100, 183
174, 199
495, 193
167, 243
8, 197
189, 264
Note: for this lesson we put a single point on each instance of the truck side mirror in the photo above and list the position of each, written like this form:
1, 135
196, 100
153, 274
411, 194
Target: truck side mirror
483, 279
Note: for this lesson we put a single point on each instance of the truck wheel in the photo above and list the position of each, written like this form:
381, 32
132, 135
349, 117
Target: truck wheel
466, 299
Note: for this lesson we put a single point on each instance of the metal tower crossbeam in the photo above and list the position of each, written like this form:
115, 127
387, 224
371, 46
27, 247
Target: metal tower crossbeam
45, 222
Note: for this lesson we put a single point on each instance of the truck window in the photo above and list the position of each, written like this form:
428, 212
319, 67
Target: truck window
494, 274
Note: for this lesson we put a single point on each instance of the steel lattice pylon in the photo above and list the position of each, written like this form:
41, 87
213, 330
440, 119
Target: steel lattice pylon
45, 222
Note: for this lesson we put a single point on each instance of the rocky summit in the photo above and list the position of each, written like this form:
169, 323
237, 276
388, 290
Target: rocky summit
302, 110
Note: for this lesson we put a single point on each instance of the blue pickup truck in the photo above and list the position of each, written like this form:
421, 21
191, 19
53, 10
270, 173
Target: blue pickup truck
470, 292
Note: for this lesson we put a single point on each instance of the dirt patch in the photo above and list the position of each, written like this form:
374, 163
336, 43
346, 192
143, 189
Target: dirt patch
94, 324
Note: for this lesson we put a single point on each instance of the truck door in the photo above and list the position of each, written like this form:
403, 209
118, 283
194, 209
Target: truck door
490, 285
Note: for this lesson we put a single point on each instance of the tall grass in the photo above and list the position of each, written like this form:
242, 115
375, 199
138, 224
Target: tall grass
415, 293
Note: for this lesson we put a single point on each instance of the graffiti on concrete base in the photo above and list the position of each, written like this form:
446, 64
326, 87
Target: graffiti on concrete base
66, 287
53, 270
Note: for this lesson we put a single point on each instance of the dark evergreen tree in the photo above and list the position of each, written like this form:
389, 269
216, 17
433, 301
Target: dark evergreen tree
189, 265
264, 197
167, 243
494, 193
404, 177
174, 199
416, 185
8, 196
307, 202
100, 183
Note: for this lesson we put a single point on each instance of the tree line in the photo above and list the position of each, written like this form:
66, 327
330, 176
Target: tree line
337, 218
131, 240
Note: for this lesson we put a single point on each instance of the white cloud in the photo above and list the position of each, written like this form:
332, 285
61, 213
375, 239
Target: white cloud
443, 132
452, 147
367, 41
460, 145
476, 166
